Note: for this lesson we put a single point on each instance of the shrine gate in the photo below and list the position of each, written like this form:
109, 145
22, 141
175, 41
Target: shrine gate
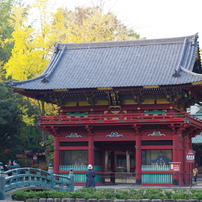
122, 108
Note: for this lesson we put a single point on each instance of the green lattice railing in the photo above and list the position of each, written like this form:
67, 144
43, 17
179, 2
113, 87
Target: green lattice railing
26, 177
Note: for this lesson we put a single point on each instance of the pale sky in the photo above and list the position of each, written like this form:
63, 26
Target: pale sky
153, 18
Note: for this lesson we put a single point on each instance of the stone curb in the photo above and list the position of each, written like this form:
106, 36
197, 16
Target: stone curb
107, 200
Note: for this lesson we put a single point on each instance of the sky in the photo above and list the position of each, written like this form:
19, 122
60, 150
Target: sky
152, 18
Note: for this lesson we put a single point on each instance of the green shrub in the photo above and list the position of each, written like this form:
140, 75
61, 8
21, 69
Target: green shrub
109, 193
180, 196
23, 195
196, 194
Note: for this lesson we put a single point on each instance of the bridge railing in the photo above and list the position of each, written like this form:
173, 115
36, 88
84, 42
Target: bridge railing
26, 177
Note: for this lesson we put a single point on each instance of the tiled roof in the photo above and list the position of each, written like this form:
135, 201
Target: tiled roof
119, 64
197, 139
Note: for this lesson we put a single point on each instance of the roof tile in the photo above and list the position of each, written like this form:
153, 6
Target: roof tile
118, 64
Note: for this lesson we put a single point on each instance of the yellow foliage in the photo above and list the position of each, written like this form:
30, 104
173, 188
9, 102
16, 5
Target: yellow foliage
30, 54
88, 25
28, 120
33, 44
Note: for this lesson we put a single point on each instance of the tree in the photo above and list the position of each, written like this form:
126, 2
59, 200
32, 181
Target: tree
5, 29
89, 25
27, 58
16, 113
16, 135
30, 54
10, 118
5, 32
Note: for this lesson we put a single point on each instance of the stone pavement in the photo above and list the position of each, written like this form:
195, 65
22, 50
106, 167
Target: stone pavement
134, 186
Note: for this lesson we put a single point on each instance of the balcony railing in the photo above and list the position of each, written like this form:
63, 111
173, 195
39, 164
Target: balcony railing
121, 119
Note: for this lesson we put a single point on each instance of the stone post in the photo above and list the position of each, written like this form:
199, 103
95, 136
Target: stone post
2, 182
50, 170
71, 176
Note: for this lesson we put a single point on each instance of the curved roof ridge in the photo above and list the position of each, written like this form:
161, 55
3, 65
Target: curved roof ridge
184, 52
14, 83
47, 72
51, 63
138, 42
52, 67
192, 58
177, 70
191, 73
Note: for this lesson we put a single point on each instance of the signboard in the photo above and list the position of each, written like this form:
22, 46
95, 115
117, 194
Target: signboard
175, 166
190, 157
35, 157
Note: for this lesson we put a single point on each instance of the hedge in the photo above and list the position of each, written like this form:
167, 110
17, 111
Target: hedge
116, 195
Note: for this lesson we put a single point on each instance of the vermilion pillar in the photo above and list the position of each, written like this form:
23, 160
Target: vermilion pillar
56, 154
90, 150
138, 159
175, 148
175, 157
183, 164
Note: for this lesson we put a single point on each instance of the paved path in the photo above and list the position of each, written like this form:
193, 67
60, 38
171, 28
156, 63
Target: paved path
126, 186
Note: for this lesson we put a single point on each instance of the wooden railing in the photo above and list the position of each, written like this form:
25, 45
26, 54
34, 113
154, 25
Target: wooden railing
140, 118
26, 177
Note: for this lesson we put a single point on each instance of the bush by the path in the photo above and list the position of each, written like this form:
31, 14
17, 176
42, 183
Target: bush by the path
109, 193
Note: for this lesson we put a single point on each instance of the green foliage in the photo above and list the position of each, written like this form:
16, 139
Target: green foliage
155, 193
167, 193
109, 193
6, 156
122, 194
15, 134
105, 193
5, 29
23, 195
196, 194
182, 194
10, 117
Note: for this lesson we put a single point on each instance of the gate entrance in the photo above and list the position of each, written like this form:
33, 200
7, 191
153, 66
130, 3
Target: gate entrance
119, 166
118, 161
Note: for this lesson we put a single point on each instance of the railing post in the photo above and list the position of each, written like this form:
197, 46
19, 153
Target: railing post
2, 182
50, 170
71, 176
